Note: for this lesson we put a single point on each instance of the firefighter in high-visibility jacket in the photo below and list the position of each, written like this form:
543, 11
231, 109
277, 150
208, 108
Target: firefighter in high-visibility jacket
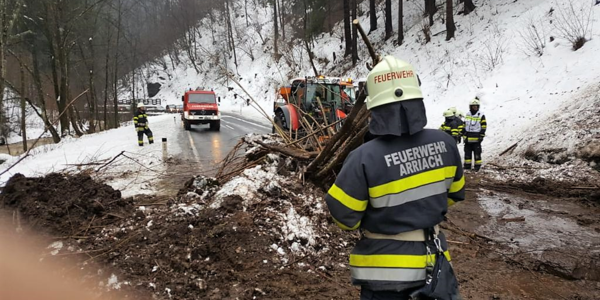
396, 187
459, 118
452, 125
473, 133
140, 121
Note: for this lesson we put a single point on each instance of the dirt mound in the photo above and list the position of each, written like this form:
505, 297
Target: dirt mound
258, 235
63, 205
188, 251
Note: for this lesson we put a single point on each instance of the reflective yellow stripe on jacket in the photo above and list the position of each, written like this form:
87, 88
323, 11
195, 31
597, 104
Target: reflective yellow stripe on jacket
391, 267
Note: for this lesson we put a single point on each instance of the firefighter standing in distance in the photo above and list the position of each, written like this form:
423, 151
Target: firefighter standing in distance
396, 188
474, 132
459, 118
452, 125
140, 121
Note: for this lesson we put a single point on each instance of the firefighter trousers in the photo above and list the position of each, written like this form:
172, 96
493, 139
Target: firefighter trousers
140, 132
367, 294
470, 149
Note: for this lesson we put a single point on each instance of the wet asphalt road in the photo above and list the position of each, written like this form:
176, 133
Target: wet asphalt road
207, 148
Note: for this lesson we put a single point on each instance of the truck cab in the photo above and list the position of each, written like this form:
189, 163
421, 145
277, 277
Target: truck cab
200, 107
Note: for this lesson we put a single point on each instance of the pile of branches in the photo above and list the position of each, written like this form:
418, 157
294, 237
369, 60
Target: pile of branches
314, 159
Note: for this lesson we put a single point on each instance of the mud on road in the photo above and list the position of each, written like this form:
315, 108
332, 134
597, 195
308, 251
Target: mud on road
508, 240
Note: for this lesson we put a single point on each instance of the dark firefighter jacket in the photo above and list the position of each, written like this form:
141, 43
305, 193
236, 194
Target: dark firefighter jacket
475, 126
453, 126
392, 185
140, 120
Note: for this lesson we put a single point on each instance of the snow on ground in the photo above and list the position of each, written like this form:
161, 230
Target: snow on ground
517, 90
12, 110
556, 150
134, 172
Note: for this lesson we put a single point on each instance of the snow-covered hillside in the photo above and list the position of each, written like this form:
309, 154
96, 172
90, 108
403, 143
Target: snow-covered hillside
488, 58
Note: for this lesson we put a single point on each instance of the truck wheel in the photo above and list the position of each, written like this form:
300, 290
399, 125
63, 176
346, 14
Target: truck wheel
186, 125
215, 126
278, 123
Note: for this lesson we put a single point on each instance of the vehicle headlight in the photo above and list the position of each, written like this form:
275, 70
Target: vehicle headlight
186, 114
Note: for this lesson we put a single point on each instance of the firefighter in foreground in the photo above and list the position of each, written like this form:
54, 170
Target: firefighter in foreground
452, 125
474, 132
140, 121
396, 188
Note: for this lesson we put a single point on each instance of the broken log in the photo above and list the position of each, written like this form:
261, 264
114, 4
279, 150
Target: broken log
289, 152
513, 146
516, 219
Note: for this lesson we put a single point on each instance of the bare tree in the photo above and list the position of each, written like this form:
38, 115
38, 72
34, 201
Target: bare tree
37, 79
7, 23
468, 6
533, 36
275, 28
282, 18
400, 22
373, 15
388, 19
230, 31
347, 32
430, 10
23, 107
354, 33
450, 27
574, 21
119, 11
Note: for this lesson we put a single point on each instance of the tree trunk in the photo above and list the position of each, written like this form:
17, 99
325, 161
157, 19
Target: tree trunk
354, 33
64, 91
347, 32
450, 27
59, 65
388, 19
310, 57
276, 29
282, 18
430, 9
400, 22
116, 71
6, 26
3, 41
106, 78
230, 33
246, 12
468, 6
40, 93
373, 15
23, 109
212, 26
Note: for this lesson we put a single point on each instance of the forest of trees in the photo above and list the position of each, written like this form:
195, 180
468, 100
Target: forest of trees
70, 47
430, 8
68, 59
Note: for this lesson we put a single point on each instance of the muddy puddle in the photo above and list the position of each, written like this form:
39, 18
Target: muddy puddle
536, 225
556, 236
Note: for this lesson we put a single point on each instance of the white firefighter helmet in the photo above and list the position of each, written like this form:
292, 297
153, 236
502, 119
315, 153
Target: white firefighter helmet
448, 113
475, 102
140, 105
459, 114
452, 109
392, 80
